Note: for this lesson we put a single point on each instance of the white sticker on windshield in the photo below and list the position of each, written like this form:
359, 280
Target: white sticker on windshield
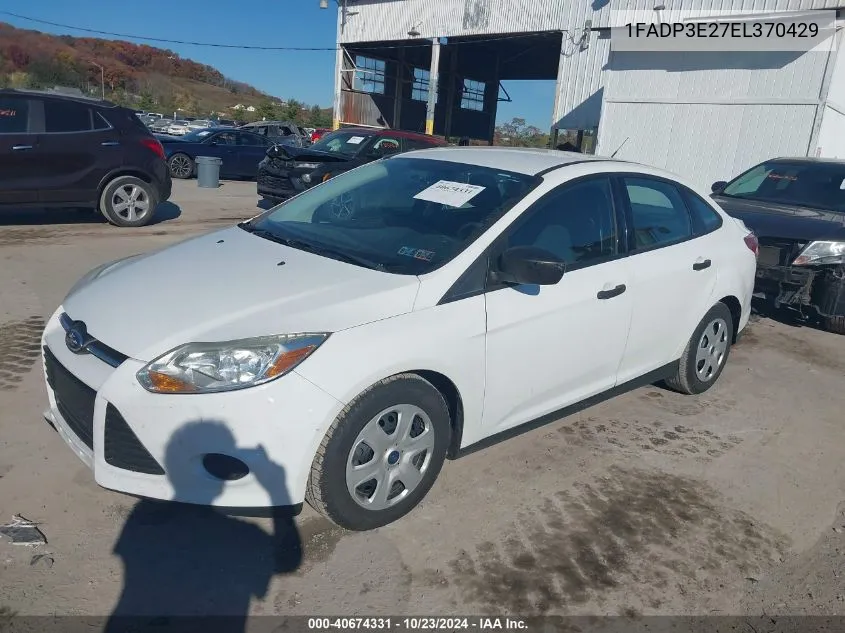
355, 140
454, 194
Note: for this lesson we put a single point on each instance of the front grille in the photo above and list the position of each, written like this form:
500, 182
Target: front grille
123, 449
107, 354
275, 182
74, 399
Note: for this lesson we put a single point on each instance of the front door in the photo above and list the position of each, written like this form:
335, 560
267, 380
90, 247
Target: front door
252, 149
551, 346
20, 174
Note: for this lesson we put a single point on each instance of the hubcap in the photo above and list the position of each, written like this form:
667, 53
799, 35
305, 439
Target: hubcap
130, 202
711, 350
390, 457
180, 167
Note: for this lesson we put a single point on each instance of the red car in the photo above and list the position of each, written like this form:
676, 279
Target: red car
318, 133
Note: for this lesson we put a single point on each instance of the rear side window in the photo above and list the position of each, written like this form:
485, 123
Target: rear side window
659, 214
63, 116
704, 218
14, 115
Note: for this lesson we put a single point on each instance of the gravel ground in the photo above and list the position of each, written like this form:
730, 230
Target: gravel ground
651, 503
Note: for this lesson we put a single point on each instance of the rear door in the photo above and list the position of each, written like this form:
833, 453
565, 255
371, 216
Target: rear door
20, 173
76, 151
672, 266
252, 149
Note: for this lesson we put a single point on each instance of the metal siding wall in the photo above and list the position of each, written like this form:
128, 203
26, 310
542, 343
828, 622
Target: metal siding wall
704, 143
832, 135
379, 20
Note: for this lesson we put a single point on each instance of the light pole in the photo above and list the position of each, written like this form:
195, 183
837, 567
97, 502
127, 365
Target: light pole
102, 79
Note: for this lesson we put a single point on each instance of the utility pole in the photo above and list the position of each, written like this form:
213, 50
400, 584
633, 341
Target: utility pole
102, 79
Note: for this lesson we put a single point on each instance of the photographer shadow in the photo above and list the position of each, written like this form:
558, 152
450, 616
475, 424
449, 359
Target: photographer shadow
190, 567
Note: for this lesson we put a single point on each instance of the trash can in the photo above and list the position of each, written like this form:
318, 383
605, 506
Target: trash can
208, 171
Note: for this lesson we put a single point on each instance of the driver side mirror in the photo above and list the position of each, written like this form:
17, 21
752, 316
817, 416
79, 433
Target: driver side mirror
529, 265
718, 186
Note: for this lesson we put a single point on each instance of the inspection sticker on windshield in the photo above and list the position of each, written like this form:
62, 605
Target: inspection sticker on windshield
454, 194
417, 253
355, 140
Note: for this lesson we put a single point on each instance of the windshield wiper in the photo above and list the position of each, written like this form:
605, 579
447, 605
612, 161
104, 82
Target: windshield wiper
302, 245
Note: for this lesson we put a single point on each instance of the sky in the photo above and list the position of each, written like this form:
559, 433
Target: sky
303, 75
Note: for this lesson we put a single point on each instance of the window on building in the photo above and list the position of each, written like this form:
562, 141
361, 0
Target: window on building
369, 74
472, 97
419, 88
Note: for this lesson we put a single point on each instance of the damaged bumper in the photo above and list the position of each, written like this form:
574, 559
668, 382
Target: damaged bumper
819, 288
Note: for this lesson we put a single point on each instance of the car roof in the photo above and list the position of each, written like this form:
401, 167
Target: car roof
807, 159
61, 96
369, 131
522, 160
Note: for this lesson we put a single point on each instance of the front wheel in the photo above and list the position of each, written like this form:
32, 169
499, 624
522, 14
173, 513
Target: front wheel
128, 201
382, 454
706, 353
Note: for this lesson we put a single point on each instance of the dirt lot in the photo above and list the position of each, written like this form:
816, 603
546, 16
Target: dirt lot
652, 503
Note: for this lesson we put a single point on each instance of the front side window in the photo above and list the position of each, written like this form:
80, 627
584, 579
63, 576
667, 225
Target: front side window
14, 115
225, 138
575, 222
811, 184
659, 214
62, 116
402, 215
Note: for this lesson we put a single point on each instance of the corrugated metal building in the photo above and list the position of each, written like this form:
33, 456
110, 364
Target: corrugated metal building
704, 115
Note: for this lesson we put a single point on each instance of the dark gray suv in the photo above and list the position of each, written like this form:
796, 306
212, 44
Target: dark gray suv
59, 150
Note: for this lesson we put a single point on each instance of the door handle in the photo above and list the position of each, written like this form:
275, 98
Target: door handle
701, 265
109, 143
18, 148
609, 294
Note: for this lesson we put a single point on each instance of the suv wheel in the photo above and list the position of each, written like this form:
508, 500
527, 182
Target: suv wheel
128, 201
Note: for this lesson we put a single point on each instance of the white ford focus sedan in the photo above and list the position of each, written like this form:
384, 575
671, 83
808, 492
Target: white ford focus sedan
340, 346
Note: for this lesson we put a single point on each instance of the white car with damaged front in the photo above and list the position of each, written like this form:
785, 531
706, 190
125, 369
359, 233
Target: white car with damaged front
337, 347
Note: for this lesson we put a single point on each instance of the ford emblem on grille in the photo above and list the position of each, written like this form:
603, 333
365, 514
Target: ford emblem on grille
77, 338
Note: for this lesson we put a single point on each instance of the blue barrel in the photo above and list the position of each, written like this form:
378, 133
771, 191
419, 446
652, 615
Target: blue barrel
208, 171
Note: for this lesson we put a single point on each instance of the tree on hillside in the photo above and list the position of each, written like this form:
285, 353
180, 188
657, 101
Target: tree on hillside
266, 110
516, 133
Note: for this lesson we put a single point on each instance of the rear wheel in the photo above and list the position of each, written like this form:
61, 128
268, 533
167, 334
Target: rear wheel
128, 201
835, 324
706, 352
382, 454
181, 166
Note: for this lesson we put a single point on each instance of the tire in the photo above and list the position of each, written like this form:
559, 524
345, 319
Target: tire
835, 324
181, 166
332, 489
708, 335
116, 201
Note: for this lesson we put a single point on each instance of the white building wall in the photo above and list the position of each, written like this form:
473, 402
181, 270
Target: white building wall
831, 139
583, 75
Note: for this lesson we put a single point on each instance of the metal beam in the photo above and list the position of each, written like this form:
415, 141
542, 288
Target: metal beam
561, 65
433, 73
338, 78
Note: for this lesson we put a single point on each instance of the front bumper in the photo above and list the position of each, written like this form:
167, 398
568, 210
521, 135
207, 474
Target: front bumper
287, 418
279, 186
821, 288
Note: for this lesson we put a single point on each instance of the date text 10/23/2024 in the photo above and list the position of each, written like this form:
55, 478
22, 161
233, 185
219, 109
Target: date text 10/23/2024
478, 623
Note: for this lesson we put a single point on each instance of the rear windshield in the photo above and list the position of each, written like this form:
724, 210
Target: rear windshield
809, 184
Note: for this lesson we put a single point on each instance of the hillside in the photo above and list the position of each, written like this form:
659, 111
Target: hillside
136, 75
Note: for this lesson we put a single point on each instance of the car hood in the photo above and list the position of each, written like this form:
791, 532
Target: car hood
229, 285
769, 219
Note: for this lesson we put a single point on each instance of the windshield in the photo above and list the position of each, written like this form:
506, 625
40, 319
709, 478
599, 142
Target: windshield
809, 184
347, 143
402, 215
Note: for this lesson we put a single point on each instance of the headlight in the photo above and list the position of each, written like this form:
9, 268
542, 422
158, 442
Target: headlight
229, 365
306, 165
821, 253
